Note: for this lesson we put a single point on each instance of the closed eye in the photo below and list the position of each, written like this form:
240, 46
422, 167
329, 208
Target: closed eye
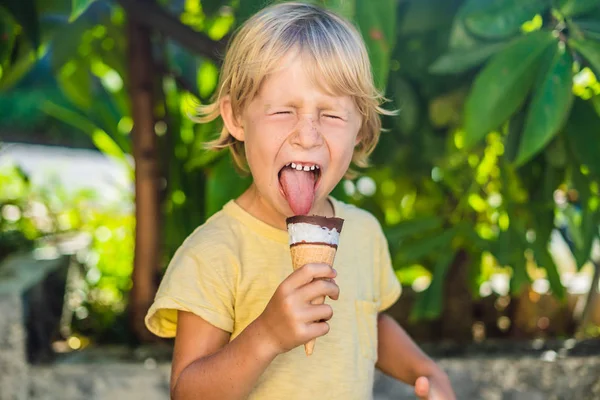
332, 116
282, 112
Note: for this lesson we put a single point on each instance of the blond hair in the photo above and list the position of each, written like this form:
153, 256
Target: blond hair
339, 59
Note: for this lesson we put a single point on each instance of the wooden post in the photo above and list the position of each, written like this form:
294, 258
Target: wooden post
147, 177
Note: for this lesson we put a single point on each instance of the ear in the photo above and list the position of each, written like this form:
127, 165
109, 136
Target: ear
359, 137
232, 123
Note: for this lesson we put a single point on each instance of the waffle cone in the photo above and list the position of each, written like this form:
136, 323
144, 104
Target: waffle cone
307, 253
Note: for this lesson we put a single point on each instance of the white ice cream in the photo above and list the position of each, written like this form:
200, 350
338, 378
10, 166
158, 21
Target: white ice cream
303, 232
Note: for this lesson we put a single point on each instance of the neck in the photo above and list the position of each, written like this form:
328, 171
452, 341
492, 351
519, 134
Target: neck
256, 205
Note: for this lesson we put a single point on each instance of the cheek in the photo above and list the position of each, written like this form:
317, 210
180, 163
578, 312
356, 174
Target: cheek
262, 146
343, 146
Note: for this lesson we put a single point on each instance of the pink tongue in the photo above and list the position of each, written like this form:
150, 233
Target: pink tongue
299, 189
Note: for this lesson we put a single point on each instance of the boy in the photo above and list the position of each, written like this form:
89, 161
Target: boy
298, 105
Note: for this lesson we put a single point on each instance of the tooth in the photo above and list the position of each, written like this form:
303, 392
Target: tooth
312, 167
298, 167
293, 165
306, 168
316, 166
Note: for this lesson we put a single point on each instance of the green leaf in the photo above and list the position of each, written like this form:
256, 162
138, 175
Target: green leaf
208, 75
26, 14
59, 32
572, 216
503, 85
24, 61
556, 153
570, 8
463, 60
407, 103
520, 278
544, 260
377, 21
541, 208
412, 227
550, 105
590, 50
248, 8
582, 134
200, 157
501, 19
424, 15
504, 246
107, 145
460, 37
446, 109
78, 7
75, 81
415, 250
209, 7
223, 184
509, 249
69, 117
8, 31
429, 303
589, 26
345, 8
101, 139
589, 230
583, 220
596, 103
66, 42
512, 141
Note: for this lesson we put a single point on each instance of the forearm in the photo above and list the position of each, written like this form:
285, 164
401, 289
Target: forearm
231, 373
399, 356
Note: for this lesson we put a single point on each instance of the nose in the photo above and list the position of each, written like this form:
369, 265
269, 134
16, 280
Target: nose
307, 133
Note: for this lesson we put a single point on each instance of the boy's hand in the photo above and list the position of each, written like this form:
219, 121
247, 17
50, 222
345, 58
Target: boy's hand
290, 320
429, 388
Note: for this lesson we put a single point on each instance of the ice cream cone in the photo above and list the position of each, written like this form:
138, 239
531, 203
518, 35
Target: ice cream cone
313, 240
306, 253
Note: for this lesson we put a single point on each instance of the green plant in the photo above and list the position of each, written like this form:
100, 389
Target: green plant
50, 217
499, 109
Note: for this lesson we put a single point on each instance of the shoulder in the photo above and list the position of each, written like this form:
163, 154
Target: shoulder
217, 236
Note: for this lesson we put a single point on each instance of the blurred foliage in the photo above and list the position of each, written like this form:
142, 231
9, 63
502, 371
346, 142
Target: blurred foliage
499, 116
16, 233
50, 218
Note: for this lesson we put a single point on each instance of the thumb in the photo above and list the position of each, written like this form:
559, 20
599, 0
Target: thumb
422, 387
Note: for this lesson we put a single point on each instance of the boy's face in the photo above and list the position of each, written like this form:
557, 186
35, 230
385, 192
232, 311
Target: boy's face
293, 120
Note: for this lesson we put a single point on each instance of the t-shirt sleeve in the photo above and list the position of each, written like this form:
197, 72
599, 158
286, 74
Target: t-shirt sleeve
195, 284
389, 286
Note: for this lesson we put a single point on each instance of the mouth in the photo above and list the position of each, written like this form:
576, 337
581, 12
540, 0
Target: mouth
313, 168
298, 182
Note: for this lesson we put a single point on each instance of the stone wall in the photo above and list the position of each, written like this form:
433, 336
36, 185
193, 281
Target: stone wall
23, 304
512, 379
494, 378
13, 363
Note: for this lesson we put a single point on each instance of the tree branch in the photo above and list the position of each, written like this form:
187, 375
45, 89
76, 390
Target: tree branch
153, 16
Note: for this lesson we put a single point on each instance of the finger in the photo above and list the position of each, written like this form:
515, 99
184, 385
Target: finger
319, 288
318, 313
422, 387
310, 272
316, 329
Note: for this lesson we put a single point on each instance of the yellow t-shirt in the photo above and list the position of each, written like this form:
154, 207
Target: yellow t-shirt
227, 270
